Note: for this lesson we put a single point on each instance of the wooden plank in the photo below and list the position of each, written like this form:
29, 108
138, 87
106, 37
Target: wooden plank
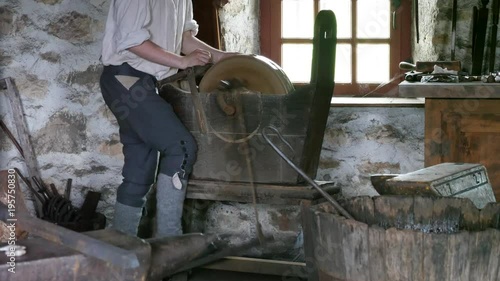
338, 101
489, 216
260, 266
470, 216
322, 74
479, 254
362, 209
394, 211
494, 260
435, 247
434, 141
376, 253
422, 213
473, 90
23, 135
242, 192
330, 252
417, 255
355, 243
464, 130
458, 251
498, 270
446, 215
407, 250
393, 255
308, 230
476, 123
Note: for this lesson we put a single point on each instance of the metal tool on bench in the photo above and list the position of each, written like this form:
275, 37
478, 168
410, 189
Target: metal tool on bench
428, 66
495, 10
416, 21
454, 12
422, 69
463, 180
479, 27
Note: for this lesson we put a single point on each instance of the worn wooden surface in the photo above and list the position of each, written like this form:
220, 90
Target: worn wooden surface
408, 238
242, 192
288, 270
466, 90
305, 209
23, 134
20, 206
464, 130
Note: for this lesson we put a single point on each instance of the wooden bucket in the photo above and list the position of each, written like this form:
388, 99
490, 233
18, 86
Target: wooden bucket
405, 238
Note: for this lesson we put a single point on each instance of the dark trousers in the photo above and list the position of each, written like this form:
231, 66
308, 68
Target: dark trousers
148, 126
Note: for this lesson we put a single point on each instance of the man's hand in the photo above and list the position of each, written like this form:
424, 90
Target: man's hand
197, 57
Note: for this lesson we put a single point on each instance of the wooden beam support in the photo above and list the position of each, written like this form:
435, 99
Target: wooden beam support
22, 129
23, 135
242, 192
261, 266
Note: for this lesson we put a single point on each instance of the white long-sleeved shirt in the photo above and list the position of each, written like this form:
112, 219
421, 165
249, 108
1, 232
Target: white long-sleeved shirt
131, 22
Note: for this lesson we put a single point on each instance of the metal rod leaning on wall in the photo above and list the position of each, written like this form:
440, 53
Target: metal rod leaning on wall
327, 196
495, 6
415, 16
454, 12
28, 183
479, 26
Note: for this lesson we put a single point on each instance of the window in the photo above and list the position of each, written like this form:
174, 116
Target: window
373, 37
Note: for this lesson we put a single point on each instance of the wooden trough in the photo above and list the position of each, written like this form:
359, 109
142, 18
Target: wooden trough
404, 238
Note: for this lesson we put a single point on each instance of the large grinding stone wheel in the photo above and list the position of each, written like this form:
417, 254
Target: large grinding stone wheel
256, 73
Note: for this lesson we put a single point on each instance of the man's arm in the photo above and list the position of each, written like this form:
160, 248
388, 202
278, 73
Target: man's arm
190, 44
152, 52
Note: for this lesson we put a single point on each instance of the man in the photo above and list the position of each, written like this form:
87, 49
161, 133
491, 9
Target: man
143, 43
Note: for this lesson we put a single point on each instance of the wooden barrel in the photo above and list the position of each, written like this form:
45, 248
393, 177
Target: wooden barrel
405, 238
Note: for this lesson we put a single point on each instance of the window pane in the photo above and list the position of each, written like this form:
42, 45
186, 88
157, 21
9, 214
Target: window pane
343, 64
342, 10
374, 17
373, 63
296, 62
298, 19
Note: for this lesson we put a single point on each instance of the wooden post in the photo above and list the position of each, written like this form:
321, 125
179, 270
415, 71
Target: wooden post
22, 130
308, 240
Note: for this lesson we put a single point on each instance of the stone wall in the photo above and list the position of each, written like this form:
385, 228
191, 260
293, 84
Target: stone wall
51, 48
435, 33
240, 26
360, 141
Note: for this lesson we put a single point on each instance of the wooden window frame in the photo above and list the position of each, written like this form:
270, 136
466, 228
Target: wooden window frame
400, 44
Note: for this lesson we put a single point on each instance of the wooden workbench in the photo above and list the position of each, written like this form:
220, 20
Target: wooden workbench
462, 123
